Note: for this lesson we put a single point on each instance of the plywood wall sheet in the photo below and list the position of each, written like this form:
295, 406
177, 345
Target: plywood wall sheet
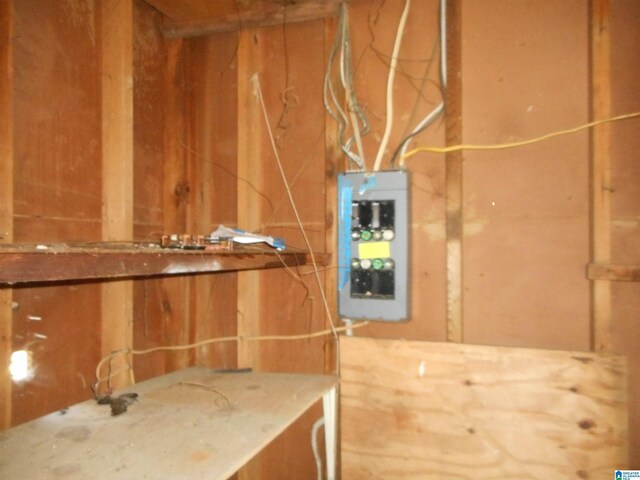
213, 148
432, 410
525, 73
57, 110
57, 141
149, 62
60, 325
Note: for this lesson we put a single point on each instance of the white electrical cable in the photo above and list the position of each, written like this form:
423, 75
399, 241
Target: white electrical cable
428, 120
354, 115
314, 445
390, 82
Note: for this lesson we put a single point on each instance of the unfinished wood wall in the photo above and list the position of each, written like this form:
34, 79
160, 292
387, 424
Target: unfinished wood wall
201, 156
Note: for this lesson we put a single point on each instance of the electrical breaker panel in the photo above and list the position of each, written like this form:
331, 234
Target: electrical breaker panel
373, 245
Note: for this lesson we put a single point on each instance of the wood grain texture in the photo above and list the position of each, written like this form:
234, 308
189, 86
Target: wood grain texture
432, 410
56, 193
228, 419
6, 199
117, 171
601, 171
213, 142
526, 242
250, 131
188, 18
625, 201
60, 263
453, 174
616, 273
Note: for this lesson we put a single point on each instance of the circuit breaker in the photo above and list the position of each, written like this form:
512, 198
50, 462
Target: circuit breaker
373, 245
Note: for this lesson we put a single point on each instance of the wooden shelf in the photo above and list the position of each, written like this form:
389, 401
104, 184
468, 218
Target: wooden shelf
188, 424
61, 262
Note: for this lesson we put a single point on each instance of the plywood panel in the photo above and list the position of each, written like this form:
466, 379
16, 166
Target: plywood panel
526, 209
431, 410
61, 327
57, 91
149, 71
57, 144
213, 149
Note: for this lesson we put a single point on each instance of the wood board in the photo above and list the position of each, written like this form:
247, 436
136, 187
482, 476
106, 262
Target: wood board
186, 425
433, 410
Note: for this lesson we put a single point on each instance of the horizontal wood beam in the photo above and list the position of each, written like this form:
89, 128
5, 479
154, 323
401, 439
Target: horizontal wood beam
613, 272
190, 18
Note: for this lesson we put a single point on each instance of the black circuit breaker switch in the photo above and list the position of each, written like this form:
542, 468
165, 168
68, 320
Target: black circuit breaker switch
373, 245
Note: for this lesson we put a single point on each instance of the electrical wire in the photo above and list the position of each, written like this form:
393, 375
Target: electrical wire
314, 445
355, 118
237, 338
258, 92
390, 82
504, 146
401, 150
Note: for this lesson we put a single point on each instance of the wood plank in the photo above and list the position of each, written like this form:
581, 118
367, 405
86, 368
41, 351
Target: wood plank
600, 171
250, 130
613, 272
453, 173
60, 263
334, 162
6, 200
177, 194
117, 171
188, 18
231, 417
459, 411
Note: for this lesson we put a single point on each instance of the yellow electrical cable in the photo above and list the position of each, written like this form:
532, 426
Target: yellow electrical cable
457, 148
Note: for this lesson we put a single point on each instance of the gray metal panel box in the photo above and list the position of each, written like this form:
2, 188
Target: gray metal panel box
373, 245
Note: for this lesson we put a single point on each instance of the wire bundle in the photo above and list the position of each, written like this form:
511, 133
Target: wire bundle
354, 119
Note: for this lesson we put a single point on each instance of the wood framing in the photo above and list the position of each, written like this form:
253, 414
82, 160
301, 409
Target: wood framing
250, 127
6, 199
453, 173
117, 170
438, 410
600, 172
334, 163
612, 272
189, 18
